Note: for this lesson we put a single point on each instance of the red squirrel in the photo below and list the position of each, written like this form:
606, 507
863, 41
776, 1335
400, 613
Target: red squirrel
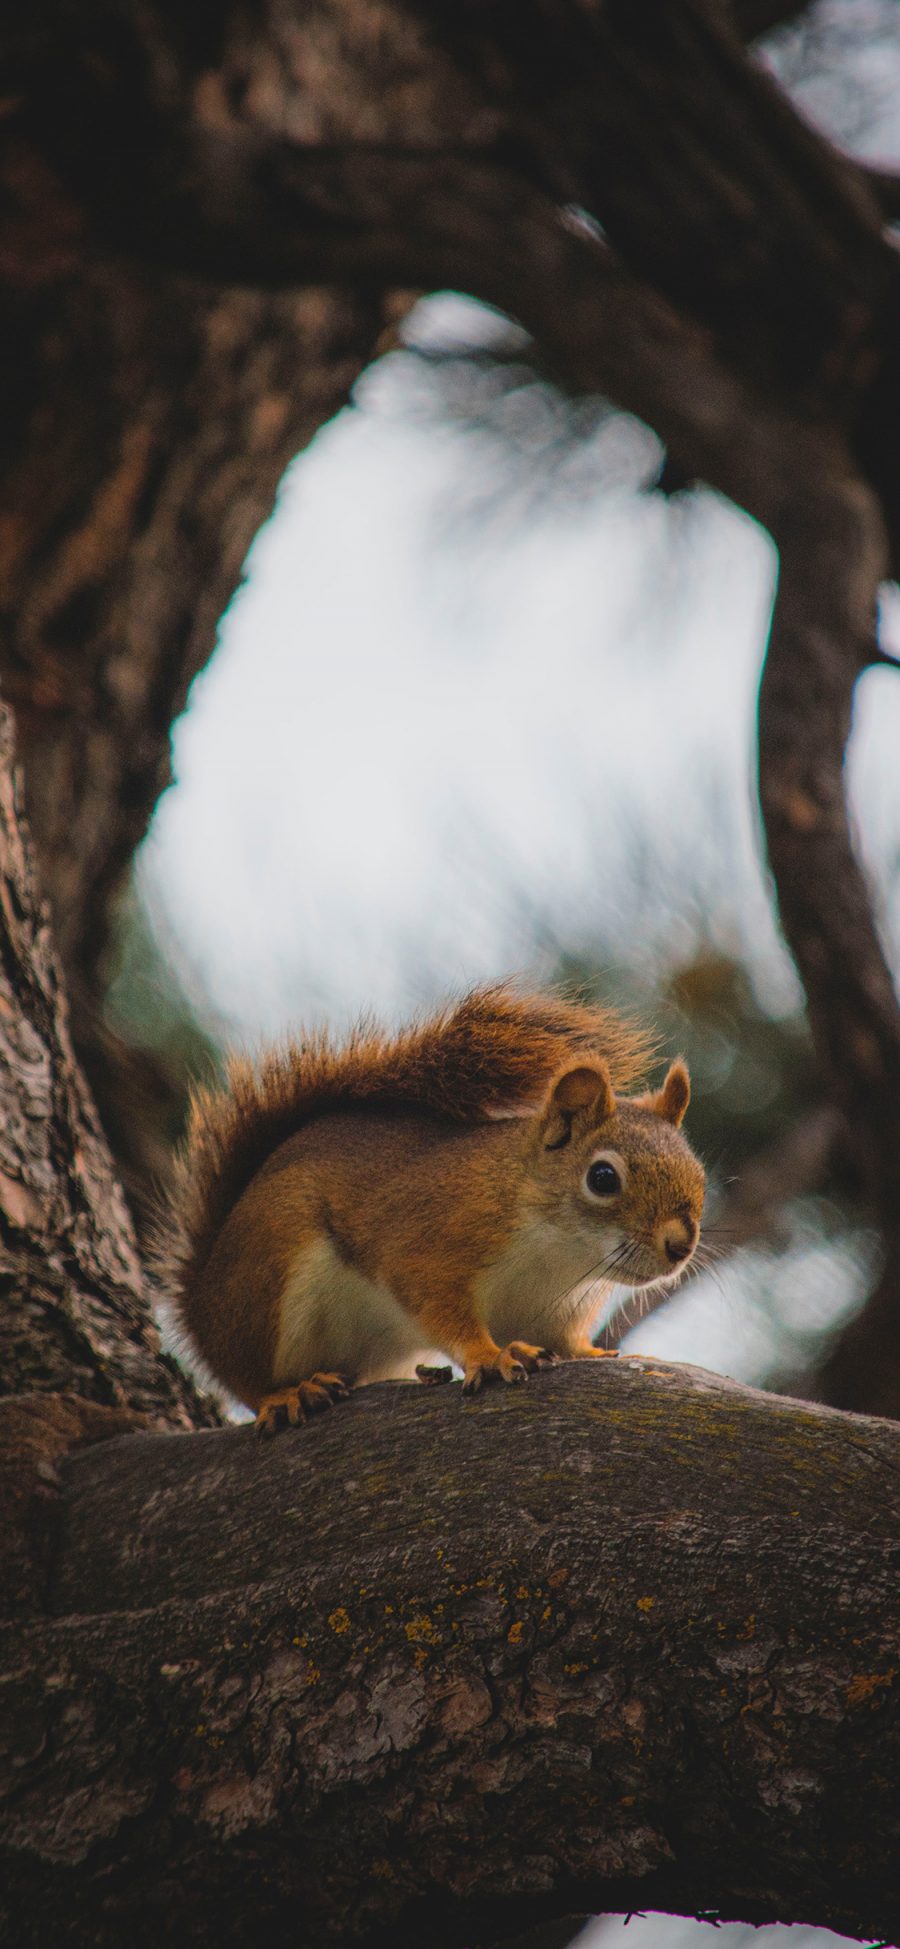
475, 1183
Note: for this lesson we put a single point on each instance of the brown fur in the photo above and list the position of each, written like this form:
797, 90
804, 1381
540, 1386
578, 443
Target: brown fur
410, 1202
493, 1053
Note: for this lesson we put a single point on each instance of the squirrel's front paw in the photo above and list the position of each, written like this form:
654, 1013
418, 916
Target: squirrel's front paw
512, 1364
531, 1358
292, 1405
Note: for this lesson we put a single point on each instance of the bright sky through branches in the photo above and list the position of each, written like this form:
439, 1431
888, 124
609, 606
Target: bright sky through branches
435, 730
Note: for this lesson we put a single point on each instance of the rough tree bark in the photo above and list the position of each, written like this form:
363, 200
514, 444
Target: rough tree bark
75, 1314
428, 1671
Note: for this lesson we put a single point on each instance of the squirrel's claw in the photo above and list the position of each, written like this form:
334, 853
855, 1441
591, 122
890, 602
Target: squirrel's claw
488, 1373
531, 1358
293, 1405
512, 1364
434, 1376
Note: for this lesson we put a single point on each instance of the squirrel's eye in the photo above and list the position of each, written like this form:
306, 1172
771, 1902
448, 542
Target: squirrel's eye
603, 1179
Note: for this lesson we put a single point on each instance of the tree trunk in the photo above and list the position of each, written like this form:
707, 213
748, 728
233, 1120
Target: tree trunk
75, 1313
434, 1670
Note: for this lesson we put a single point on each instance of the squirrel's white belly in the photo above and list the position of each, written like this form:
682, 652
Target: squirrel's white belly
335, 1320
544, 1288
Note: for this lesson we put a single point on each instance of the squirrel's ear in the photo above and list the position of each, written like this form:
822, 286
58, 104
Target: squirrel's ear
672, 1100
585, 1086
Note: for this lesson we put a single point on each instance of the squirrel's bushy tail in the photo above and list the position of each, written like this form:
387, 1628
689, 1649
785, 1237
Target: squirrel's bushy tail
489, 1055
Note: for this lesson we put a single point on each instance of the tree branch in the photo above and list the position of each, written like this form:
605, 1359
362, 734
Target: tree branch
585, 106
482, 1664
795, 1165
757, 17
655, 119
254, 210
832, 559
885, 183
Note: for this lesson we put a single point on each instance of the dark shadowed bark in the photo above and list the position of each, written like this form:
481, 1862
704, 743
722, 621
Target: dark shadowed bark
756, 17
431, 1671
832, 557
74, 1312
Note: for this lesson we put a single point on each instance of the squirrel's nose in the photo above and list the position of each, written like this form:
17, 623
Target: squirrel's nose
678, 1237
